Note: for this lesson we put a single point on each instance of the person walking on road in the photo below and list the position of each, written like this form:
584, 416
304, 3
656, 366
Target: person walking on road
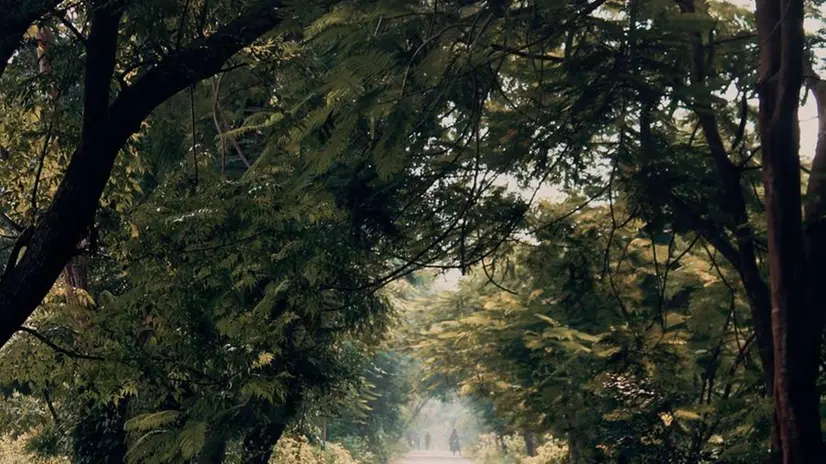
427, 440
454, 443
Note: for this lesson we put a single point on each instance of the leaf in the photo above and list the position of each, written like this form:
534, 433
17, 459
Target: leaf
192, 438
547, 319
151, 420
686, 415
672, 319
263, 359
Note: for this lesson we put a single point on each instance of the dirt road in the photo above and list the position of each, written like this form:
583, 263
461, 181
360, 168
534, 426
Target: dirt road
432, 457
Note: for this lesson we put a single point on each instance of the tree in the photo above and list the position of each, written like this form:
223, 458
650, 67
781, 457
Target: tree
105, 129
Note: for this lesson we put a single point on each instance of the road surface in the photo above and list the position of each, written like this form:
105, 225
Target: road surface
432, 457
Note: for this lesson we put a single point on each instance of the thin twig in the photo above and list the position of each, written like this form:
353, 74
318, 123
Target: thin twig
52, 411
492, 281
517, 52
41, 161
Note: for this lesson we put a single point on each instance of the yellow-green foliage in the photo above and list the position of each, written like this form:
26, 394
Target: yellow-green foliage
488, 451
551, 452
297, 450
13, 451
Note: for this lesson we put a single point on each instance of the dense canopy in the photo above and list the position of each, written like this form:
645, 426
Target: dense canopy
225, 223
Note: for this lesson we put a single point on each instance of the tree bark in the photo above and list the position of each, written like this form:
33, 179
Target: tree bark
795, 327
105, 129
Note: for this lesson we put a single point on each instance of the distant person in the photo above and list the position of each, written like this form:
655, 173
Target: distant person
427, 440
454, 443
418, 439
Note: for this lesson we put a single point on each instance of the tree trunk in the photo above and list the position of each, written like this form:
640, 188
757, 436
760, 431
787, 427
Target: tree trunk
259, 443
795, 322
530, 443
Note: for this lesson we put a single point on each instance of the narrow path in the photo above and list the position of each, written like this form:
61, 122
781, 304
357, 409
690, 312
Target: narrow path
432, 457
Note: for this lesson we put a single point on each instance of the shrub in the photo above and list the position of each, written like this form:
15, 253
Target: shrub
297, 450
488, 451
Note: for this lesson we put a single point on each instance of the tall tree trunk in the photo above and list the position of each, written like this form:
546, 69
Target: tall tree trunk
795, 321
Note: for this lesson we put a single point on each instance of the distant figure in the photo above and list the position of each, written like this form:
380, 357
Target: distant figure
427, 440
454, 443
418, 439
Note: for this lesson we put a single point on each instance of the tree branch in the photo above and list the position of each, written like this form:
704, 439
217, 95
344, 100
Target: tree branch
9, 224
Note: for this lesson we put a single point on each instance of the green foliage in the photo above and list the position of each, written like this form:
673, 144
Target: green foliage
570, 337
292, 450
371, 420
510, 449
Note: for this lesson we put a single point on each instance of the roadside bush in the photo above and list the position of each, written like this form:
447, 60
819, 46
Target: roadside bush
489, 451
297, 450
